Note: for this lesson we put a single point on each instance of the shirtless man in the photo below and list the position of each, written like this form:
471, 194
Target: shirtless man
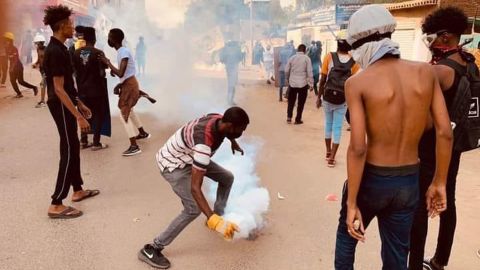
392, 113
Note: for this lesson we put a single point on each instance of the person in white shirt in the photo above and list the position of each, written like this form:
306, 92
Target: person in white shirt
299, 77
130, 92
268, 62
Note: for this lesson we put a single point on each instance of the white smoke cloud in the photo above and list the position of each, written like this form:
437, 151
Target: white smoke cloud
184, 93
248, 202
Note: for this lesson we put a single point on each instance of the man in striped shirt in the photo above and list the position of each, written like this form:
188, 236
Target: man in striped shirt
184, 161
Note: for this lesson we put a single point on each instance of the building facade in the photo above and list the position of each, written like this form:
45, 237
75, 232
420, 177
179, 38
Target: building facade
408, 34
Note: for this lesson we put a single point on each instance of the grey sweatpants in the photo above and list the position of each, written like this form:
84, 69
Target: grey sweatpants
181, 181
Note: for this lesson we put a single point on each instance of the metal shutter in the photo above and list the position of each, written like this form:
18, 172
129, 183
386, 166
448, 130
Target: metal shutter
405, 36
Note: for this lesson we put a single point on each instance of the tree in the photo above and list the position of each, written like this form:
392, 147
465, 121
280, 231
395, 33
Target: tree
279, 17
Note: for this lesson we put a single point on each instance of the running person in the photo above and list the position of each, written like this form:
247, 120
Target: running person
16, 66
184, 161
383, 167
130, 90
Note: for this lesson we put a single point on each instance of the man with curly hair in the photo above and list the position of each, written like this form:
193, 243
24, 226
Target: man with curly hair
443, 29
67, 111
383, 167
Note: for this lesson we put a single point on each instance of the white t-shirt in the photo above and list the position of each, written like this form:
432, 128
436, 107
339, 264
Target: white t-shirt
268, 56
124, 52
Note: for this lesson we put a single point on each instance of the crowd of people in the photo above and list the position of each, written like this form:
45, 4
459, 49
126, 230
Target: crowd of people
408, 130
404, 174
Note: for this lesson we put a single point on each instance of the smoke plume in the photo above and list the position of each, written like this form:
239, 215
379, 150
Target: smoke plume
248, 201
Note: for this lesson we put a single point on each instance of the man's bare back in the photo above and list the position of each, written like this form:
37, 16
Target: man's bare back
397, 99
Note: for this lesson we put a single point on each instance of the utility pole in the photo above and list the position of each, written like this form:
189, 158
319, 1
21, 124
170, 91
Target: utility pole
251, 28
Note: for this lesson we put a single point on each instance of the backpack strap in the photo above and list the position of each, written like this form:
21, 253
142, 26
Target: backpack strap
337, 62
459, 69
336, 59
350, 63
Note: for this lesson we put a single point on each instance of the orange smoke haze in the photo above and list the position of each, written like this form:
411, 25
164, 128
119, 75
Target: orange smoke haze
4, 7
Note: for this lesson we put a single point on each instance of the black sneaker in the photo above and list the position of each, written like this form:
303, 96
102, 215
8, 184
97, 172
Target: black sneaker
143, 136
40, 104
154, 257
132, 150
428, 264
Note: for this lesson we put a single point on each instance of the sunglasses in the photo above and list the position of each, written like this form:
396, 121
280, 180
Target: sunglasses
429, 39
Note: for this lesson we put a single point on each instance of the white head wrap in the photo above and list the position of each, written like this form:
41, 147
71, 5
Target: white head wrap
369, 20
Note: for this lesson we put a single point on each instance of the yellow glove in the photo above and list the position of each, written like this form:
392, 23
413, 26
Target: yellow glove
227, 229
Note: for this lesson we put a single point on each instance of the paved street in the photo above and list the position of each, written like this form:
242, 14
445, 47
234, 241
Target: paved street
136, 203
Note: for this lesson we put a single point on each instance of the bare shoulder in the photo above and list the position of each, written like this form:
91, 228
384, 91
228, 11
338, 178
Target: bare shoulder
442, 70
423, 66
355, 82
425, 70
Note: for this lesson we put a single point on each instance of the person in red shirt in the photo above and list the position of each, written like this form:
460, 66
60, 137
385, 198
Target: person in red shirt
16, 66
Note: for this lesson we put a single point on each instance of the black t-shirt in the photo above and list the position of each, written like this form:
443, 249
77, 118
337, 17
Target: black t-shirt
427, 145
57, 63
90, 73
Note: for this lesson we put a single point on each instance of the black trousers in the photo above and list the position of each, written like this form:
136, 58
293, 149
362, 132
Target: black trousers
316, 79
17, 75
3, 68
99, 111
292, 98
69, 167
448, 219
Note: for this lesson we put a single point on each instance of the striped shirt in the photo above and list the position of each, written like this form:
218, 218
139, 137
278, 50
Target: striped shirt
193, 144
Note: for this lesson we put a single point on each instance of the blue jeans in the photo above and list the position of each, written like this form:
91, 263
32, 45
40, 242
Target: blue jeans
391, 195
334, 115
232, 80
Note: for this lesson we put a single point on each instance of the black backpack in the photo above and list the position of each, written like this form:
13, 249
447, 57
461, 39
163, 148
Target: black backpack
464, 111
338, 75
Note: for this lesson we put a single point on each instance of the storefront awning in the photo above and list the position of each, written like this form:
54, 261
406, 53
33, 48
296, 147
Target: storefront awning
411, 4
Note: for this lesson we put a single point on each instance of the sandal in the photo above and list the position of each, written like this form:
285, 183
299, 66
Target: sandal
99, 147
331, 163
68, 213
90, 193
327, 156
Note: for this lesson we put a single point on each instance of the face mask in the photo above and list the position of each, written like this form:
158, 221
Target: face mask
442, 52
362, 56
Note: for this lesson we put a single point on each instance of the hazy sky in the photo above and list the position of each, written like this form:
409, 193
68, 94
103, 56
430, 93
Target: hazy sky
170, 13
286, 3
166, 13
